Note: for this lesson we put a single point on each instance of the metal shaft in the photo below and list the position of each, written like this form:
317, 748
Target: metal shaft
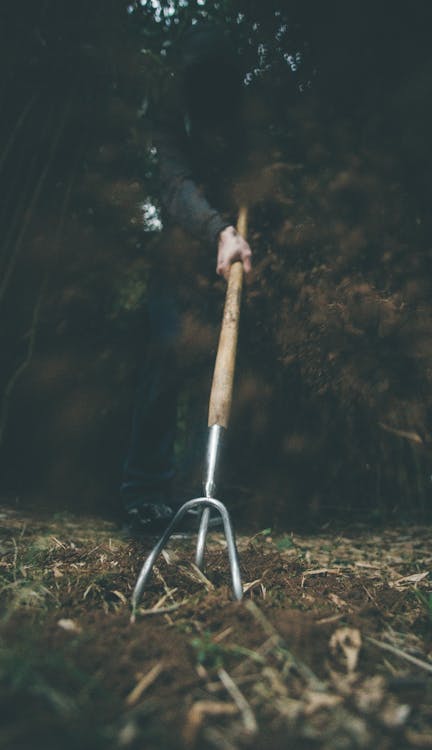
214, 450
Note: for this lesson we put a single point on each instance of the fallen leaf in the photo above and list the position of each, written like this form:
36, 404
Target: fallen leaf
394, 715
370, 694
120, 596
69, 625
414, 578
197, 714
335, 599
347, 642
88, 589
321, 571
317, 701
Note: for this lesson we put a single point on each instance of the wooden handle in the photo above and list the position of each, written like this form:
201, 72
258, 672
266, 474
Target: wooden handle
223, 376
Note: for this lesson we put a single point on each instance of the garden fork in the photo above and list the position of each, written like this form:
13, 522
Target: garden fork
218, 420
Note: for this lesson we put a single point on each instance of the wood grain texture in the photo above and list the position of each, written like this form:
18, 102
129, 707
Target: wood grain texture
223, 376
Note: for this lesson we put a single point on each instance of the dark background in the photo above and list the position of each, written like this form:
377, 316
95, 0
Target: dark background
333, 396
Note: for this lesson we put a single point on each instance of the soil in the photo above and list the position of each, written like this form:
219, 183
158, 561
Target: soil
330, 648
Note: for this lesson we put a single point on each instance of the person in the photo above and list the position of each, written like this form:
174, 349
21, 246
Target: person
200, 139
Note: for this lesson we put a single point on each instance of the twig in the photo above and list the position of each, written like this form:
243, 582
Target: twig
251, 585
257, 656
7, 393
167, 589
260, 617
15, 557
157, 611
332, 618
220, 637
302, 669
169, 594
143, 684
370, 596
402, 654
216, 687
22, 118
16, 217
28, 215
200, 576
407, 434
243, 706
197, 714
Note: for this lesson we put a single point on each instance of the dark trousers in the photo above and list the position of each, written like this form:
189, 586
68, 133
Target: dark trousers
149, 465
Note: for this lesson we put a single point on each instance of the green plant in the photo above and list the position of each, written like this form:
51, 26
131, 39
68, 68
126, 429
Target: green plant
208, 652
285, 543
425, 598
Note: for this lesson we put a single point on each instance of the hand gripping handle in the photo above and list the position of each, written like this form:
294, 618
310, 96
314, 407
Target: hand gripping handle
223, 376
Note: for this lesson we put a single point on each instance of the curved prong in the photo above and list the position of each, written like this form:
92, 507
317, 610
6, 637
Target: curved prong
231, 544
157, 549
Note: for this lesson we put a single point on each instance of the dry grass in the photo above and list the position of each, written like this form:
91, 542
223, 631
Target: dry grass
330, 649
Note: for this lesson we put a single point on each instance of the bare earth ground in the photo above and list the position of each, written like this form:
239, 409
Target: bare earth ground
331, 648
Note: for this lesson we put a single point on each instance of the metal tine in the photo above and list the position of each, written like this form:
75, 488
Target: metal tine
216, 438
207, 503
202, 536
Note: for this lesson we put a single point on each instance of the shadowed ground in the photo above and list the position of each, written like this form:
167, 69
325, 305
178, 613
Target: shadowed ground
329, 649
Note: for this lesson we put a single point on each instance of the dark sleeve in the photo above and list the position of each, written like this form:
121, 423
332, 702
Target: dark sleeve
180, 196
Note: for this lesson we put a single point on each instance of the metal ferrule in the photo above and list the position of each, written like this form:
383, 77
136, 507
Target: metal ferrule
214, 450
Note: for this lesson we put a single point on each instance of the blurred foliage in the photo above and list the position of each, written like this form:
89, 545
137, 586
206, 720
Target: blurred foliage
333, 401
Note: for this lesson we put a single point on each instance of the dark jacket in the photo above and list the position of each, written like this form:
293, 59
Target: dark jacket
199, 156
182, 194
